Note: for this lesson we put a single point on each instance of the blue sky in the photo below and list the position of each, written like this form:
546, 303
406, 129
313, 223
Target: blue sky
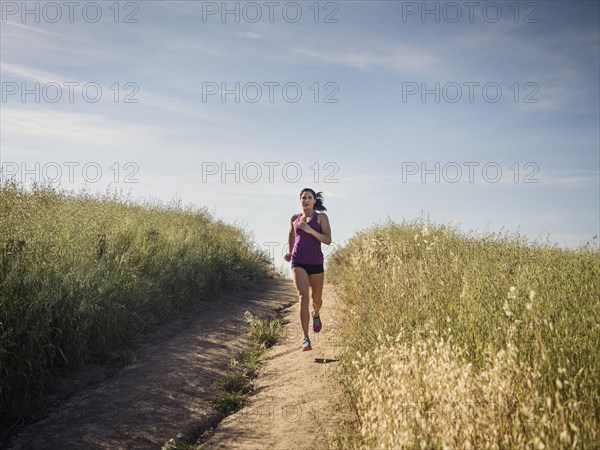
358, 129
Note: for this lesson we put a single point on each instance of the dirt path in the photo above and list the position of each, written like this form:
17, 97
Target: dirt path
293, 407
162, 395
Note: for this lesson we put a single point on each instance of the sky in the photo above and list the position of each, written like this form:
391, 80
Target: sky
481, 115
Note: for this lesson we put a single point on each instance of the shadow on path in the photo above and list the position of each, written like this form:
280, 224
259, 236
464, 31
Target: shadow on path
162, 395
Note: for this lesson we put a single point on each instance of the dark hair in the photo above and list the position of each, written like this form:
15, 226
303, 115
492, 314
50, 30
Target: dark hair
318, 197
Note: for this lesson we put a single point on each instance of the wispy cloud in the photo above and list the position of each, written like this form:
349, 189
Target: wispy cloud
89, 130
31, 73
173, 105
576, 179
253, 35
566, 179
403, 58
30, 28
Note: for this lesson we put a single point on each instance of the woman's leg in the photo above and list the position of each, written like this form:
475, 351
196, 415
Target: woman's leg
316, 286
302, 283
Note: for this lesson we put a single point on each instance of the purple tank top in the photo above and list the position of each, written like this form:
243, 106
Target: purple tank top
307, 248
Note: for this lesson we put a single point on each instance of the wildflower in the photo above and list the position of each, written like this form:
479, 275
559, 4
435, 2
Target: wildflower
512, 292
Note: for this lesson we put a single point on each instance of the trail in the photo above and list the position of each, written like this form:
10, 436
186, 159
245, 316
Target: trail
164, 393
293, 407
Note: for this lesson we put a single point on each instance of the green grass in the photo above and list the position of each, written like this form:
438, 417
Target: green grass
235, 388
436, 316
252, 358
82, 275
229, 402
264, 331
235, 382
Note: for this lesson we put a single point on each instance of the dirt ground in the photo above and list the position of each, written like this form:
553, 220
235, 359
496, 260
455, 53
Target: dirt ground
294, 405
164, 393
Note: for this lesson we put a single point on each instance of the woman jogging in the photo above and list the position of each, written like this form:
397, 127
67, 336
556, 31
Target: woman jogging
307, 231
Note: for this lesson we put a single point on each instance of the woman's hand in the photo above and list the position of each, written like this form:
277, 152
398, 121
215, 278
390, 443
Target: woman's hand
288, 257
305, 227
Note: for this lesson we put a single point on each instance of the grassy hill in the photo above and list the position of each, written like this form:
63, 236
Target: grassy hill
462, 341
82, 275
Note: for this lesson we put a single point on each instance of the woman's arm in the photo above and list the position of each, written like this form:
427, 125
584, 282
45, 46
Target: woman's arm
325, 236
291, 238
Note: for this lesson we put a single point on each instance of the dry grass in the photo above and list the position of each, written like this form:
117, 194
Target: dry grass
461, 341
83, 275
266, 332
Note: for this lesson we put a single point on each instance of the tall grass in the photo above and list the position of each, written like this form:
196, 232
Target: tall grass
82, 275
463, 341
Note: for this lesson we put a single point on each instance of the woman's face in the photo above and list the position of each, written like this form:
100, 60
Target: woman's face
307, 200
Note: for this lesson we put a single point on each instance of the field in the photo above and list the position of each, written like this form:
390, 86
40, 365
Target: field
82, 276
450, 339
461, 341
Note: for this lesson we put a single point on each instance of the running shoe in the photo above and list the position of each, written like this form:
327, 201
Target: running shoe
317, 325
306, 345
